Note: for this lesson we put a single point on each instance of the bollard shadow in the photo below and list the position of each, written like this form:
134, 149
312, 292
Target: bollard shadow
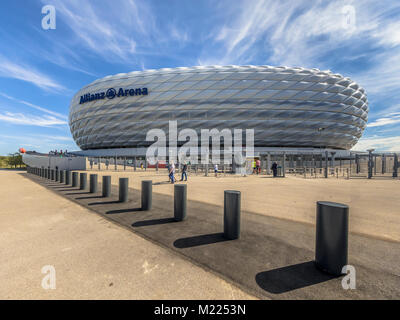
199, 240
85, 198
75, 193
60, 186
123, 210
70, 189
153, 222
292, 277
104, 202
162, 182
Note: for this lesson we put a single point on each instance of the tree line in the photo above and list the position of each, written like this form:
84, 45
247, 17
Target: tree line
13, 160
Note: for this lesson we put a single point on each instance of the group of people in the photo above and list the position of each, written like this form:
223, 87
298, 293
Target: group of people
58, 153
257, 168
171, 172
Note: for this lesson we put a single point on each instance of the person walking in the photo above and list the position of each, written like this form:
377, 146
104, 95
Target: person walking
172, 172
274, 169
216, 170
184, 172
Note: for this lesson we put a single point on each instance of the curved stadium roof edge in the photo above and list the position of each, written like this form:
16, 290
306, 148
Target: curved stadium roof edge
286, 106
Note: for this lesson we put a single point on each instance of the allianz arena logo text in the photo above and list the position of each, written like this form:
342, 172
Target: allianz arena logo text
111, 93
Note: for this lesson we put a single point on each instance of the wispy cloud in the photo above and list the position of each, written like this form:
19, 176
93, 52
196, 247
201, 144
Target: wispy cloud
390, 119
378, 143
39, 142
305, 33
91, 25
9, 69
56, 114
30, 120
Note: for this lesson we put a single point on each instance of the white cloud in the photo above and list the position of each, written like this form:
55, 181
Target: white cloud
24, 119
56, 114
114, 37
392, 118
378, 143
27, 73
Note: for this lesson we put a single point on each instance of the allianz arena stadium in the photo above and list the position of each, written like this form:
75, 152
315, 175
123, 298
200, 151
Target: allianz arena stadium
286, 107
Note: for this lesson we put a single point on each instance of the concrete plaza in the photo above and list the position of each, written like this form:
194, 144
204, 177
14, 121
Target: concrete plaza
93, 258
272, 259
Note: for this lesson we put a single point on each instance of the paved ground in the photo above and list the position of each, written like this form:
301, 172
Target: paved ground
93, 258
273, 258
374, 204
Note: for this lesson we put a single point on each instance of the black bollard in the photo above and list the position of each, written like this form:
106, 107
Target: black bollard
147, 190
83, 180
331, 236
123, 189
231, 214
52, 174
74, 179
57, 175
62, 176
93, 183
68, 175
180, 195
106, 186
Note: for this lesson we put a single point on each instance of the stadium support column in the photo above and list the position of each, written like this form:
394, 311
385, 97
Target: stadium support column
124, 163
370, 163
115, 163
383, 160
357, 164
326, 164
268, 163
333, 159
99, 160
134, 163
283, 164
291, 164
395, 165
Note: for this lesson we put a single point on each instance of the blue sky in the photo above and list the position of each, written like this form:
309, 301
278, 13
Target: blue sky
40, 70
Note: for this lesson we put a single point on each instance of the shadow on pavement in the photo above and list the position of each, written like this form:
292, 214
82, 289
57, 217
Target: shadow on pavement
153, 222
123, 210
199, 240
75, 193
105, 202
292, 277
162, 182
92, 197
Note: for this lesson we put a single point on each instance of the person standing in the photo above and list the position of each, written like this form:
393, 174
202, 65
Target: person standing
184, 172
258, 166
216, 170
274, 169
172, 172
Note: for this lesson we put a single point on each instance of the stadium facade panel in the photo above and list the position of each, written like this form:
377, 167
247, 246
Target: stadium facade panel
286, 107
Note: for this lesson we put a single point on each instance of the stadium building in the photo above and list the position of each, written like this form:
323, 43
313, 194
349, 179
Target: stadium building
292, 110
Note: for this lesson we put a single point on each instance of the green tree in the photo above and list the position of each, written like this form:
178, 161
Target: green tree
14, 159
